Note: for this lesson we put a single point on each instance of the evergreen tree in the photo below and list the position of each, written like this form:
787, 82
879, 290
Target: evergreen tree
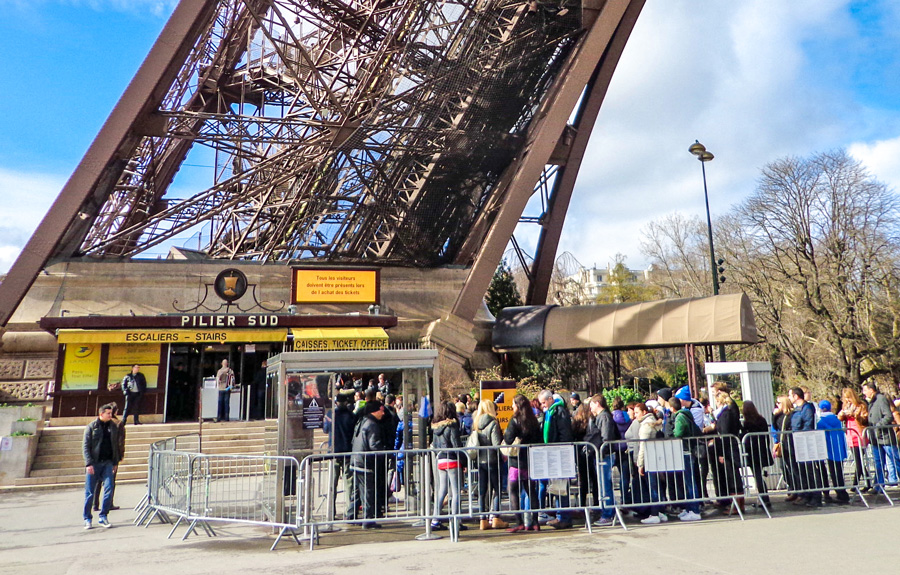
502, 291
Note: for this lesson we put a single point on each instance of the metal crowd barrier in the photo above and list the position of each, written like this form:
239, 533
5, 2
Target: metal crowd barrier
188, 443
202, 489
376, 490
438, 489
883, 458
804, 465
658, 474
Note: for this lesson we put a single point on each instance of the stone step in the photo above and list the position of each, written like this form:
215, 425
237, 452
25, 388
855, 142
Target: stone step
72, 460
59, 446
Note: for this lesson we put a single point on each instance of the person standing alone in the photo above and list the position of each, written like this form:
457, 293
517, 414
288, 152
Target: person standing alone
101, 459
133, 386
224, 383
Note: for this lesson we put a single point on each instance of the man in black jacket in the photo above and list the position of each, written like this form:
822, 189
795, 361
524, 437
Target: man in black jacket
881, 434
100, 447
133, 386
342, 435
602, 430
367, 437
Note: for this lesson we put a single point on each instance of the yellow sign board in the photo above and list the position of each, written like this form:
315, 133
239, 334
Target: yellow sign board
160, 336
312, 286
133, 353
502, 394
151, 373
81, 366
339, 339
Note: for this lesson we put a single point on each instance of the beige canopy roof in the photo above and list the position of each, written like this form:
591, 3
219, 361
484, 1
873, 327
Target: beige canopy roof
664, 323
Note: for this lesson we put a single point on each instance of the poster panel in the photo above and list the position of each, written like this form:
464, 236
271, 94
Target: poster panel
134, 353
151, 372
81, 366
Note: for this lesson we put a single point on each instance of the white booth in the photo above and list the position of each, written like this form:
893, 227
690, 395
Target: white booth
756, 382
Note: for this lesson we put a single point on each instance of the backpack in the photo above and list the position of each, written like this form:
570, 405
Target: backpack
695, 447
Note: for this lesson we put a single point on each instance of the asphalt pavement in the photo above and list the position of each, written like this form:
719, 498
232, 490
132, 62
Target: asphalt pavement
41, 533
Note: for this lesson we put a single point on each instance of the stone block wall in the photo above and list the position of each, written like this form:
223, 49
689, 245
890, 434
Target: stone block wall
25, 378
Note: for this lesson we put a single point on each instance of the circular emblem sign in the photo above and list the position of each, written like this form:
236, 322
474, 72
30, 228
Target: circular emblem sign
231, 285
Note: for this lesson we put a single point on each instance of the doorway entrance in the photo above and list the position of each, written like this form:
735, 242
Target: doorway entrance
192, 365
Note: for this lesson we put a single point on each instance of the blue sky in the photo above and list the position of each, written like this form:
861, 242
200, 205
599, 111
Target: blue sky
754, 80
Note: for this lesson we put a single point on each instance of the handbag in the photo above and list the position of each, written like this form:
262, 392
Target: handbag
472, 443
511, 449
558, 487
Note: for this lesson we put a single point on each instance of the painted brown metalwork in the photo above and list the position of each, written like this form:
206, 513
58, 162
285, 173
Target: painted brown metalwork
401, 132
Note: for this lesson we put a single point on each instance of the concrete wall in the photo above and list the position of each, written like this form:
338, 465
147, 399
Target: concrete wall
28, 355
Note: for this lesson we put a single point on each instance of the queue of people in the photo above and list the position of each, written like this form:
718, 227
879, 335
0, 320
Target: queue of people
617, 466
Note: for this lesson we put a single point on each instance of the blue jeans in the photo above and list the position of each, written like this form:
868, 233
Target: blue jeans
224, 405
543, 495
690, 484
886, 456
607, 499
103, 475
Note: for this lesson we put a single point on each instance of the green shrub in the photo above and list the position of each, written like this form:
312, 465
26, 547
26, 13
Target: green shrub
25, 419
626, 394
21, 434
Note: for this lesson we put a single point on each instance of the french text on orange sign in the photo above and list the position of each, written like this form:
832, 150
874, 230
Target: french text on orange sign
335, 286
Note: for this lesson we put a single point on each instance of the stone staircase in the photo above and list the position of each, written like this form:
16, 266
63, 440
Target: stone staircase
59, 461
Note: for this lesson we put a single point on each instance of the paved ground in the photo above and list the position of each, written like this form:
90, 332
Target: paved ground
41, 533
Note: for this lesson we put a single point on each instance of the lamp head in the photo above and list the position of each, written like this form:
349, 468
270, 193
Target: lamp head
700, 151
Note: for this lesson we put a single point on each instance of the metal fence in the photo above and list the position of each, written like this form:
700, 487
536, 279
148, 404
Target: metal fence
518, 488
201, 489
884, 458
413, 485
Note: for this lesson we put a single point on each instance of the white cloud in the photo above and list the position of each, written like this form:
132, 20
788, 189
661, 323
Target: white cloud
738, 76
880, 158
26, 199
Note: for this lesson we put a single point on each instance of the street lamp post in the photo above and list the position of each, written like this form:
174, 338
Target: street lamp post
704, 156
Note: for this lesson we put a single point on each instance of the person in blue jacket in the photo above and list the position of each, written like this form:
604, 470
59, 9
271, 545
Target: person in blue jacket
807, 473
837, 452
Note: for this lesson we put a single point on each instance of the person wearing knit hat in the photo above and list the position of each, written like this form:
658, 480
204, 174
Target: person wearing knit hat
684, 394
664, 394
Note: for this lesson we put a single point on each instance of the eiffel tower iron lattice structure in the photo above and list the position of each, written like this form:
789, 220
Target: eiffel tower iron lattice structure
395, 132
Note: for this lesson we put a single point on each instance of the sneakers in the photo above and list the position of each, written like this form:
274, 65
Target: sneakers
87, 524
663, 517
652, 520
517, 529
104, 522
604, 522
683, 513
690, 516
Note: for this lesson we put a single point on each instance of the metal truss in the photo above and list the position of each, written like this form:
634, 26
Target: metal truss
397, 132
341, 131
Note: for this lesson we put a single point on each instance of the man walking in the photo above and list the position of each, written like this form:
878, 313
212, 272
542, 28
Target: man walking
101, 460
224, 383
133, 386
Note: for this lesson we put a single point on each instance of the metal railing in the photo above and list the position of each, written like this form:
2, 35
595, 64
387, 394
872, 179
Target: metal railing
436, 489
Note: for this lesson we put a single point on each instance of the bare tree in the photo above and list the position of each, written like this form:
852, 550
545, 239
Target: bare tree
677, 246
816, 248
